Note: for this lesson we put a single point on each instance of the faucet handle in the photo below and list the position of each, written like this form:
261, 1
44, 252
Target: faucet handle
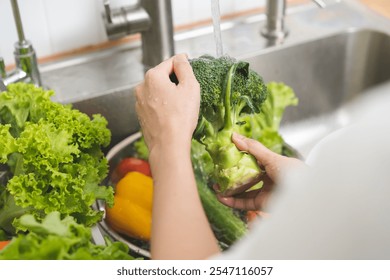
320, 3
3, 75
107, 10
2, 86
323, 4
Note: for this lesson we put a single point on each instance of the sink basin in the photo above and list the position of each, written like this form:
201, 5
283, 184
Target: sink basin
326, 74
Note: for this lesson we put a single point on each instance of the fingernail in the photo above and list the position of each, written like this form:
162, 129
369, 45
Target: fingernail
181, 57
237, 137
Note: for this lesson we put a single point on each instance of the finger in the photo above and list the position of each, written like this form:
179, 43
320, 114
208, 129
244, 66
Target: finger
239, 203
165, 67
255, 148
256, 202
228, 201
159, 75
183, 69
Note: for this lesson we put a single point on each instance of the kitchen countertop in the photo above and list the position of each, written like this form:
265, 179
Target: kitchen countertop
380, 6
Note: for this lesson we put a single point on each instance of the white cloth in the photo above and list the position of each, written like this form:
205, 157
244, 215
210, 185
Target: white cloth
340, 207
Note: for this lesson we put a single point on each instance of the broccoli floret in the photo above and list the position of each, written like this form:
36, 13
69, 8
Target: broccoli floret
229, 90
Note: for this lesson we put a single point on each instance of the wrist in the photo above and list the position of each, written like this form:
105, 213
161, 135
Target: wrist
170, 149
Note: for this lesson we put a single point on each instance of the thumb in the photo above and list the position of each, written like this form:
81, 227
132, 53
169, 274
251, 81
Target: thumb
253, 147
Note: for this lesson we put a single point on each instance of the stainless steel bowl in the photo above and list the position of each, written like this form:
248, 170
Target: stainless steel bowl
121, 150
115, 155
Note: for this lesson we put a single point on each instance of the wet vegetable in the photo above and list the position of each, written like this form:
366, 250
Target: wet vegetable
131, 214
130, 164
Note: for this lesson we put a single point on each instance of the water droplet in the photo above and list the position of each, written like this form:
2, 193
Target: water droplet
165, 102
155, 99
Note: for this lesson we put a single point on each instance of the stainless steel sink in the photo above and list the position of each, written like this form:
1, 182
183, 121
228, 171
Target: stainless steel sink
331, 57
326, 74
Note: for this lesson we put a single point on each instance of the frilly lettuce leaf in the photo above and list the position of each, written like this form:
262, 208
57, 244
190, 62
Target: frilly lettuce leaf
7, 143
54, 238
55, 155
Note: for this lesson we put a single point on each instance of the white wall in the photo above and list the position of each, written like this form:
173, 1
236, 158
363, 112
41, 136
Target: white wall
55, 26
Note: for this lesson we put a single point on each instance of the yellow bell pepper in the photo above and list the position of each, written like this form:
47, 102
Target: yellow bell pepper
131, 214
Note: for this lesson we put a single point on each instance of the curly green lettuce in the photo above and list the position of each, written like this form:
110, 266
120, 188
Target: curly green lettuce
54, 238
54, 154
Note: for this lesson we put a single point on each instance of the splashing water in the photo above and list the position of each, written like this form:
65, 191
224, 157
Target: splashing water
217, 26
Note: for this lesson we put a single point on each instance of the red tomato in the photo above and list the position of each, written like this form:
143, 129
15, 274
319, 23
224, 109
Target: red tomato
251, 216
4, 243
133, 164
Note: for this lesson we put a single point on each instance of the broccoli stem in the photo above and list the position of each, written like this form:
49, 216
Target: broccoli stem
228, 94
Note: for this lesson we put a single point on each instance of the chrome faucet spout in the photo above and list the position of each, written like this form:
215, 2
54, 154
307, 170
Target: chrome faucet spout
275, 28
18, 20
152, 18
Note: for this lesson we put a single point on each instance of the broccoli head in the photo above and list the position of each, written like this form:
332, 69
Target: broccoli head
229, 91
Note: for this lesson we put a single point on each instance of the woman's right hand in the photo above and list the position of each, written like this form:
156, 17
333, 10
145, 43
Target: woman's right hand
271, 163
168, 112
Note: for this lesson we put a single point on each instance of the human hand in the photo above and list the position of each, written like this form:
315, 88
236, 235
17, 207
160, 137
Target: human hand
168, 112
271, 163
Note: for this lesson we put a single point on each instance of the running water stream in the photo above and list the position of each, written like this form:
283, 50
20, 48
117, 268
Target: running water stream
217, 26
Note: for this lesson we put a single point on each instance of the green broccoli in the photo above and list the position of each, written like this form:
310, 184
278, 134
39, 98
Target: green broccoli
229, 90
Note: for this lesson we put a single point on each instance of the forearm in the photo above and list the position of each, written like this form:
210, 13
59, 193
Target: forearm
180, 229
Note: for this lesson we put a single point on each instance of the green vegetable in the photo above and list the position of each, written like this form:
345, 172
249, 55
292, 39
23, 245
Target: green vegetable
264, 126
56, 239
55, 157
142, 151
229, 90
3, 235
226, 224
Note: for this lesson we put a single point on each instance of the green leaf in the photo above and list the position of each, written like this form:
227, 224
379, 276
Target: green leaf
59, 239
54, 153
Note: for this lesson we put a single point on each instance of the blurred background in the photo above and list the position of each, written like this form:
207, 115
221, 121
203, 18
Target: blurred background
57, 27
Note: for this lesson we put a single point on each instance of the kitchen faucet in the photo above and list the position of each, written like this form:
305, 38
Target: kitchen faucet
25, 59
152, 18
275, 28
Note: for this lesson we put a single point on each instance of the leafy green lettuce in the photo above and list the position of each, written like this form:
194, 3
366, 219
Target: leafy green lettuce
54, 155
265, 125
56, 239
